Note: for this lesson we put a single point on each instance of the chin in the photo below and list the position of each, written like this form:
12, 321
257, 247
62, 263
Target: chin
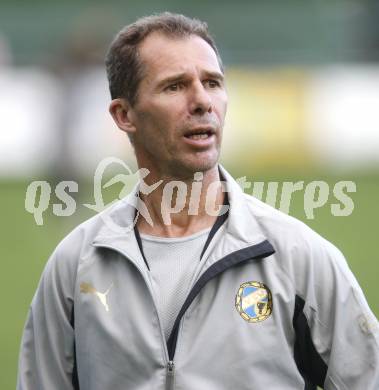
204, 166
197, 165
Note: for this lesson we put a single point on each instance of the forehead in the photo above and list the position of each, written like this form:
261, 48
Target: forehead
162, 55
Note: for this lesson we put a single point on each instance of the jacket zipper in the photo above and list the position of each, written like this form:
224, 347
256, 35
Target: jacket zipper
258, 251
170, 376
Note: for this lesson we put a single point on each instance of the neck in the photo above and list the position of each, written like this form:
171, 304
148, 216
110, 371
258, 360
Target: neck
180, 207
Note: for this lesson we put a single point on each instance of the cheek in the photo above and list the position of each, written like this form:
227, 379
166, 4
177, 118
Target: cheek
221, 106
160, 127
221, 98
163, 112
150, 121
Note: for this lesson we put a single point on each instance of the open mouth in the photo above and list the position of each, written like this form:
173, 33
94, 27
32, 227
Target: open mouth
199, 134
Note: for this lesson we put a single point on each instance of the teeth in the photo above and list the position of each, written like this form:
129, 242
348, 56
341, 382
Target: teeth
199, 136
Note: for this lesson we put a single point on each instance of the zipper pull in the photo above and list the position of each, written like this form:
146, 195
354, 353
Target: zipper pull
170, 375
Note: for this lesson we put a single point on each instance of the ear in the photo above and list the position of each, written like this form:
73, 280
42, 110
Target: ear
121, 112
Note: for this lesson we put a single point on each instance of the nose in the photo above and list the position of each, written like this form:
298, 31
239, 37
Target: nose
200, 101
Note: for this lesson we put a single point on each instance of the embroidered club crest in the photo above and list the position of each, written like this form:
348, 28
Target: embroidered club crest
254, 301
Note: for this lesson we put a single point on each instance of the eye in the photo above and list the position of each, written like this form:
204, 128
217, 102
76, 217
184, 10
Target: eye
212, 83
174, 87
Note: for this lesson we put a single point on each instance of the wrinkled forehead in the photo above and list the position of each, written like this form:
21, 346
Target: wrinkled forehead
161, 55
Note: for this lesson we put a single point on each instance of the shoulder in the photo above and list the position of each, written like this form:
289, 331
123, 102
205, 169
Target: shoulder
76, 248
282, 229
302, 253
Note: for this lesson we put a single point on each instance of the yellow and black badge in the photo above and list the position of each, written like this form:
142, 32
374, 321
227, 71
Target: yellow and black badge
254, 301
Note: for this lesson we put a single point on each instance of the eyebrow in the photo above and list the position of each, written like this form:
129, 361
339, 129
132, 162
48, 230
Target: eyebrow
180, 76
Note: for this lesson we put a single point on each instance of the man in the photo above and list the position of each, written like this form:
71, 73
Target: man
198, 298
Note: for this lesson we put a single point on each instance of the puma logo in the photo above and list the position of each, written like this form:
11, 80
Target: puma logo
87, 288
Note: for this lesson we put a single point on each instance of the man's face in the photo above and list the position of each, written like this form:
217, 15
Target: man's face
181, 105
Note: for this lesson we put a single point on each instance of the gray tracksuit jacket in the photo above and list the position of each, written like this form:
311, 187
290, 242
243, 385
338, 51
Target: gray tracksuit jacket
272, 306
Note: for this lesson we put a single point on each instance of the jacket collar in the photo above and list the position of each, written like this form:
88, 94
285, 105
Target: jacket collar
242, 223
240, 230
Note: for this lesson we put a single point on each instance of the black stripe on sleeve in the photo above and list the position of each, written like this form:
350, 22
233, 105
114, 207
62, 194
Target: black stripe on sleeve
74, 379
309, 362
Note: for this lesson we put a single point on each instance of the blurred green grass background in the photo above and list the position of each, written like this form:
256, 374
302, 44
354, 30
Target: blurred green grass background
26, 246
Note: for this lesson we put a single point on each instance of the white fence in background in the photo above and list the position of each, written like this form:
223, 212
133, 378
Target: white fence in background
330, 114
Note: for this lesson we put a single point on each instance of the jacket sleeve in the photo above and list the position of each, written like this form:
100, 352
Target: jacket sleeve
337, 335
46, 358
